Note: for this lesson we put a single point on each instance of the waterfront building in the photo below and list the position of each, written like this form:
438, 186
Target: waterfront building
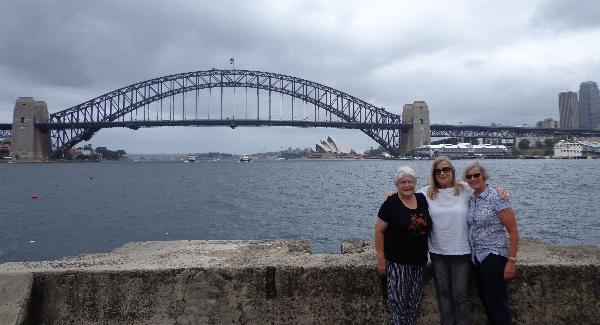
589, 105
462, 150
564, 149
591, 150
327, 149
548, 123
568, 110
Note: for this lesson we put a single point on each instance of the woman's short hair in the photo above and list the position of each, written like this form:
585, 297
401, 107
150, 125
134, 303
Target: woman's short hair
404, 171
473, 164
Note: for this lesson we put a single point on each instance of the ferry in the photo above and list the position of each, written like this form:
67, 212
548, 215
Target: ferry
245, 159
190, 158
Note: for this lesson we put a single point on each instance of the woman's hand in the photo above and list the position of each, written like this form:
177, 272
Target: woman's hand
381, 265
510, 270
504, 195
387, 195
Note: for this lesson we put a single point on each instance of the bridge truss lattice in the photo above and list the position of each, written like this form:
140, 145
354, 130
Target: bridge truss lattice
162, 101
5, 134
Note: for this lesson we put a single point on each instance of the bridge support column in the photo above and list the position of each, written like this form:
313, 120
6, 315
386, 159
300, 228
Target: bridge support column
416, 114
29, 143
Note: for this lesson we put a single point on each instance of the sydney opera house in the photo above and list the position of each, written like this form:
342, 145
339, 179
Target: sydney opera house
328, 149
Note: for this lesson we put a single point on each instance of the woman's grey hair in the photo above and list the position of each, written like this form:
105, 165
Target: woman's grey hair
404, 171
473, 164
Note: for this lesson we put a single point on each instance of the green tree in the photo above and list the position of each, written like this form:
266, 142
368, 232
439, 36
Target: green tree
550, 142
524, 144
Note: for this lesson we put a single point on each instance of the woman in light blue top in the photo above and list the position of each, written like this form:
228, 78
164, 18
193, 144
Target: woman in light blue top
490, 220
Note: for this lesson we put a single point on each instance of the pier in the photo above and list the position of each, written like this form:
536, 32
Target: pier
270, 281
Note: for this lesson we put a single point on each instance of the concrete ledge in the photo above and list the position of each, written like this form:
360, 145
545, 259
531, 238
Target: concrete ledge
258, 282
15, 291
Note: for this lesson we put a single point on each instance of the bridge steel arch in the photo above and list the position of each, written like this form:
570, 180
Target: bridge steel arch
115, 105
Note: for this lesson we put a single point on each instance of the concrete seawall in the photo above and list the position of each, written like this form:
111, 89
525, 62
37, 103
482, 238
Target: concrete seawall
270, 282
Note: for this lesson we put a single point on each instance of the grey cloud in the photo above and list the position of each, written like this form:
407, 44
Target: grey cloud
567, 15
66, 52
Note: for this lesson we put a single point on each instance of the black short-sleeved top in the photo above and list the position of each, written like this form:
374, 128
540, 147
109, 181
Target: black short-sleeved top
405, 238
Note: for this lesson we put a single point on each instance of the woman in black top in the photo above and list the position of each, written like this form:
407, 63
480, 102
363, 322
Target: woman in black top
401, 233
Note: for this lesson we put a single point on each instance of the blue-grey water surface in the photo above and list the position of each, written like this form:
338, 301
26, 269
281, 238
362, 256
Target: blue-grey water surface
95, 207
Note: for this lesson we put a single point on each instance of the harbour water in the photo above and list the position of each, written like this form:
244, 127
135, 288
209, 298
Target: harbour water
53, 210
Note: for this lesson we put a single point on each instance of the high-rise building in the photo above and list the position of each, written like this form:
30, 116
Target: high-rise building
567, 108
548, 123
589, 105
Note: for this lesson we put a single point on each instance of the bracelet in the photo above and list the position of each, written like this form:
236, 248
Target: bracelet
514, 259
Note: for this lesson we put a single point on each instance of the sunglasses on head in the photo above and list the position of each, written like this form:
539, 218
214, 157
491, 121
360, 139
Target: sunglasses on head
444, 170
475, 175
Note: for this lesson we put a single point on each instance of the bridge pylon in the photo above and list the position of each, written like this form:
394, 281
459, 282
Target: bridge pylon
30, 144
416, 114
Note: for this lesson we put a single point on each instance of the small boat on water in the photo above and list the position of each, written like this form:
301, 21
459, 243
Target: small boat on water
190, 158
245, 159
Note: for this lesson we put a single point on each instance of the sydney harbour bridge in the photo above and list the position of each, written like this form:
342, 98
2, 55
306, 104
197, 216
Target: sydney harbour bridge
239, 98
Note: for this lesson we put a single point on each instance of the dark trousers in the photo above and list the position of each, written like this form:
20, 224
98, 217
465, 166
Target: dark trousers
489, 275
451, 274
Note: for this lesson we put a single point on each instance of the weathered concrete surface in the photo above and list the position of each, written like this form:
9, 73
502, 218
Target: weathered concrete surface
278, 282
15, 290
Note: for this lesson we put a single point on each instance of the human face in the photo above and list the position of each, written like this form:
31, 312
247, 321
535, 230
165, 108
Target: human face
475, 179
406, 186
445, 178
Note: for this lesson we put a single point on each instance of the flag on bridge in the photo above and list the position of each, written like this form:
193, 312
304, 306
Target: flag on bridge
231, 61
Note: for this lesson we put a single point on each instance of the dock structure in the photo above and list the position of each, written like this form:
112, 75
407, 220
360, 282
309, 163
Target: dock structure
270, 281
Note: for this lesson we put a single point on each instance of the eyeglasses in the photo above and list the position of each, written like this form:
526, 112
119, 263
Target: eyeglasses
444, 170
476, 175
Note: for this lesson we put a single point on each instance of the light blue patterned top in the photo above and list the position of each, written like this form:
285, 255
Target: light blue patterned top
487, 234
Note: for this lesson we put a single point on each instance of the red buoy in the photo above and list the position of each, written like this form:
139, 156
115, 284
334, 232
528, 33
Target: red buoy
33, 196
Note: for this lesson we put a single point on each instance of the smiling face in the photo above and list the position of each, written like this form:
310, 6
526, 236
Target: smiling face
444, 174
406, 186
474, 177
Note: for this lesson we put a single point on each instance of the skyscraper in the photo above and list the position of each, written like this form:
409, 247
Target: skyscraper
589, 105
568, 111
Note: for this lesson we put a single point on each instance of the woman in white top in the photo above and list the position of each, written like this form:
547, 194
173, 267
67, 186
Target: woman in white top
449, 248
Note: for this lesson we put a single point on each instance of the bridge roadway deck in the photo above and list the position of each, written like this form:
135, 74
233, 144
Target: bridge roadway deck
233, 123
437, 130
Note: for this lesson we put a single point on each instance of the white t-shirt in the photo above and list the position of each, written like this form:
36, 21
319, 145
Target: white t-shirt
449, 235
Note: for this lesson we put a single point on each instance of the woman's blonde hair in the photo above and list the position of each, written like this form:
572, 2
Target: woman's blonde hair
434, 186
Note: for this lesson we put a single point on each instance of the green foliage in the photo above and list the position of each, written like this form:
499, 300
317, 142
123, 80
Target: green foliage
215, 155
523, 144
374, 152
550, 142
109, 154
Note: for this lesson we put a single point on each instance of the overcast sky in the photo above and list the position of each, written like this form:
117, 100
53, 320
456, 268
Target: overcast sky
474, 62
